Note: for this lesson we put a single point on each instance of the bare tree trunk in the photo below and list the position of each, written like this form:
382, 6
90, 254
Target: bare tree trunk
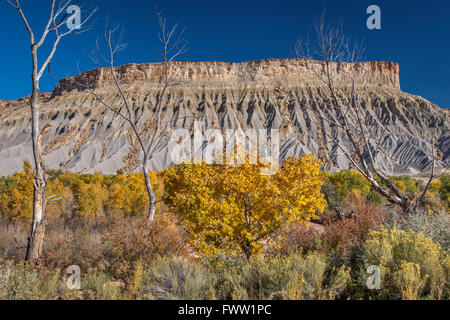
247, 248
148, 185
56, 21
37, 233
133, 122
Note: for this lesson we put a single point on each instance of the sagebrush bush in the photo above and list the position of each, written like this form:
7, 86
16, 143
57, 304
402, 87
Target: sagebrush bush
435, 226
177, 278
412, 265
98, 285
295, 276
22, 282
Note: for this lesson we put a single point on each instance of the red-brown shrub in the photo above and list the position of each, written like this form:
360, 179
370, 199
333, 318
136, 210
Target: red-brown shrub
137, 240
358, 218
75, 241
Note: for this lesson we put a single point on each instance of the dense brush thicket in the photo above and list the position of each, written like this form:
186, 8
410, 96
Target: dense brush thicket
226, 233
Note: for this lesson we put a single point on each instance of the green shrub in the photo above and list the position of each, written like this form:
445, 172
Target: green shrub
343, 183
407, 184
18, 283
332, 195
347, 181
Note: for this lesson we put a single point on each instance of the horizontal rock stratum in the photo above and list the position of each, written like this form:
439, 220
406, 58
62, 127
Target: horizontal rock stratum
86, 137
226, 75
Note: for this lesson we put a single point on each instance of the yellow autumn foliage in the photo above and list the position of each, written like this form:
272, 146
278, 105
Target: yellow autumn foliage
350, 181
412, 265
235, 209
16, 194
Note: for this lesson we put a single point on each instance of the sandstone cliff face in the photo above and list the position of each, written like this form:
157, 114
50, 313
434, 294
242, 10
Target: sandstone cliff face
87, 137
200, 75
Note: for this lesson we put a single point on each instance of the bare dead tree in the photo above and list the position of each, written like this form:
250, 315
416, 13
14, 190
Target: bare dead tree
333, 58
173, 44
58, 18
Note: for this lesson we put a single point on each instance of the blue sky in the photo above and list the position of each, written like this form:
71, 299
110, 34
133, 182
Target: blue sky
414, 33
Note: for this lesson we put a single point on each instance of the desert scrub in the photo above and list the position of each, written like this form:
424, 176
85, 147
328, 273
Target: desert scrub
435, 226
21, 282
358, 218
412, 265
177, 278
295, 276
17, 282
132, 241
97, 285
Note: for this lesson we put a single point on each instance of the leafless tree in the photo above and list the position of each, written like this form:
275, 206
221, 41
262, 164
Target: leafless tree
58, 18
333, 58
173, 44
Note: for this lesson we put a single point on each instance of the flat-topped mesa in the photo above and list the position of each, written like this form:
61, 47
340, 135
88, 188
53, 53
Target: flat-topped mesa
260, 95
268, 73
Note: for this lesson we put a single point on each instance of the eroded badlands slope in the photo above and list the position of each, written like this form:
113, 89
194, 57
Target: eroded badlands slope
86, 137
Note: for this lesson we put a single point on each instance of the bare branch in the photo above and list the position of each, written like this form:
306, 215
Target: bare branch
59, 36
337, 50
24, 19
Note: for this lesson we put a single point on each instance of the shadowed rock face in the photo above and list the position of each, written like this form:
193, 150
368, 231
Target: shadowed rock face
87, 137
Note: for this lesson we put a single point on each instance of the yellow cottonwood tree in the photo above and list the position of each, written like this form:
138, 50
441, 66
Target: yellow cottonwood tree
136, 200
16, 194
128, 194
234, 209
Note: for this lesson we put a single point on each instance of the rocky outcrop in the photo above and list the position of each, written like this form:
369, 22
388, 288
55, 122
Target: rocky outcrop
229, 75
86, 137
